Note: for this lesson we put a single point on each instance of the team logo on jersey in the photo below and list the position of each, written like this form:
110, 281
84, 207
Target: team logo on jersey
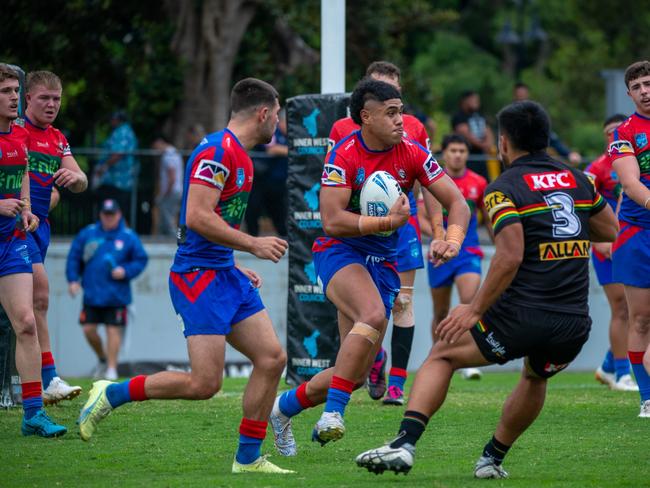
333, 175
496, 201
555, 251
241, 177
620, 147
641, 140
431, 167
551, 180
212, 172
361, 176
119, 244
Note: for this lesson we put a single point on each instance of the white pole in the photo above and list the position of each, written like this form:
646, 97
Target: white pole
332, 50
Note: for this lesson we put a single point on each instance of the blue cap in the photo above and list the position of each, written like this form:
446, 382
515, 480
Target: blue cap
110, 206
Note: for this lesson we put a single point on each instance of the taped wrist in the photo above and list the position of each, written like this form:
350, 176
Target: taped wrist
455, 235
366, 331
373, 225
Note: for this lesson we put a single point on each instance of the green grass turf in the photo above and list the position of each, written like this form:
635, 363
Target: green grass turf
585, 436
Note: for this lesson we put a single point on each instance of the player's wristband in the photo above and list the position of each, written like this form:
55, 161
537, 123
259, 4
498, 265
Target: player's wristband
373, 225
27, 204
455, 235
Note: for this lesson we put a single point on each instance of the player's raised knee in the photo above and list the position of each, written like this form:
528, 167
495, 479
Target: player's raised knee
41, 300
25, 324
205, 389
274, 362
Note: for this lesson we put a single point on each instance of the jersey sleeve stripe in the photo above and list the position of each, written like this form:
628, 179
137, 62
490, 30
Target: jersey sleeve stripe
504, 215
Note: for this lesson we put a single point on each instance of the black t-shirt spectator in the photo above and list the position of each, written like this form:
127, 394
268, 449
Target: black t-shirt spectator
476, 123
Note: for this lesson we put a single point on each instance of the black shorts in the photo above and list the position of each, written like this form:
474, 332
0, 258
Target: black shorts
103, 315
550, 340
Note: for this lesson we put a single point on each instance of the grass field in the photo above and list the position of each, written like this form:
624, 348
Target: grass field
585, 436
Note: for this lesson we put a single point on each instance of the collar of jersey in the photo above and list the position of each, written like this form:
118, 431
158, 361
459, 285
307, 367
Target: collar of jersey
234, 137
641, 116
33, 124
363, 144
532, 158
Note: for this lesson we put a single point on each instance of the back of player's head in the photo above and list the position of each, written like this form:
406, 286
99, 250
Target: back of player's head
636, 70
7, 72
614, 118
453, 139
526, 125
369, 89
45, 79
383, 68
250, 93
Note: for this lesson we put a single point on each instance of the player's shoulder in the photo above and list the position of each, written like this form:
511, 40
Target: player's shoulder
412, 146
412, 121
18, 129
345, 125
346, 148
477, 178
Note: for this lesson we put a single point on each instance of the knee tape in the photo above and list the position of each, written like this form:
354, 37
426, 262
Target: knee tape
403, 309
367, 332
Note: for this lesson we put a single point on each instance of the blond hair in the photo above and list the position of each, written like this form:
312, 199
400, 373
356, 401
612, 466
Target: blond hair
46, 79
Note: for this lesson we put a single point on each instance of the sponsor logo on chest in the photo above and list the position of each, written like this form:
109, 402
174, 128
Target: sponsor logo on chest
551, 180
554, 251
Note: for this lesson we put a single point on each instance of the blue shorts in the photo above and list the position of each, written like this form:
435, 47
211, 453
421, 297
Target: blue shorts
330, 255
38, 242
409, 246
603, 268
631, 256
211, 301
14, 255
444, 275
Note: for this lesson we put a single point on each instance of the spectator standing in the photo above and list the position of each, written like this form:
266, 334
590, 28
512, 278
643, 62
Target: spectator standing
103, 259
269, 192
170, 189
114, 176
470, 123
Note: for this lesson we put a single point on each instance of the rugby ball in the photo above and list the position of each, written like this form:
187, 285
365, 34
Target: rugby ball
379, 193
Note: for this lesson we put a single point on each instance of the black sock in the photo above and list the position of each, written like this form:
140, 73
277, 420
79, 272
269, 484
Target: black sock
400, 345
495, 450
411, 428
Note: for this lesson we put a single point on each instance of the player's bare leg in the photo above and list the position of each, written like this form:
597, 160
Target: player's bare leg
401, 340
618, 377
16, 297
113, 344
467, 284
95, 342
638, 302
55, 389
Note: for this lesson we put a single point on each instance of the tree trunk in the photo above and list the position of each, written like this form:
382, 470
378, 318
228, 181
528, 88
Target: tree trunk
207, 38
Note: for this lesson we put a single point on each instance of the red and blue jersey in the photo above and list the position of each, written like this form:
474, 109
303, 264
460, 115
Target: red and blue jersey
413, 130
605, 179
13, 164
350, 162
472, 186
631, 139
47, 148
219, 162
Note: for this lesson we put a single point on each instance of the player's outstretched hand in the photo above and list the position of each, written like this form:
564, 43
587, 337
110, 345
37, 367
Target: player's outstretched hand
460, 320
400, 211
251, 275
272, 248
10, 207
442, 251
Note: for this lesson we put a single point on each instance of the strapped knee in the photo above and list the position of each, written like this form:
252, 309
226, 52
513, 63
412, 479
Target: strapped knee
403, 308
366, 331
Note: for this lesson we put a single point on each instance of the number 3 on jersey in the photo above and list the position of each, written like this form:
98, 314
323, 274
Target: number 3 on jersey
567, 223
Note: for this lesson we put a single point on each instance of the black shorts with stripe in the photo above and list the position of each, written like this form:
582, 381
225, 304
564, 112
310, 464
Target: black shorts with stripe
103, 315
550, 340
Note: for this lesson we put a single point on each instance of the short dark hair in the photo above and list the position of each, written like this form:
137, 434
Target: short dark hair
614, 118
521, 84
454, 139
369, 89
383, 68
526, 124
251, 92
467, 93
636, 70
7, 72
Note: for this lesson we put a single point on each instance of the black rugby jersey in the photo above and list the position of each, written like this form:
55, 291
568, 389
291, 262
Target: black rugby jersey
553, 202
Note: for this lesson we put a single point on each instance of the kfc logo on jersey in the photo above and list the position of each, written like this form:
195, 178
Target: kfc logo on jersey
432, 168
212, 172
552, 180
333, 175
